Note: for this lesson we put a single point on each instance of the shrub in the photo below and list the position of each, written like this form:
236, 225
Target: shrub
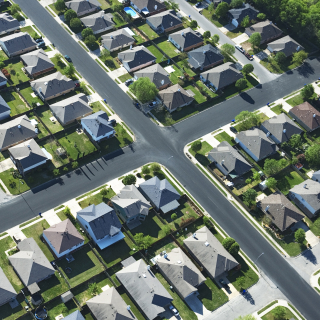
155, 167
56, 172
104, 192
174, 216
193, 24
75, 165
129, 179
228, 242
196, 146
300, 235
261, 16
207, 222
234, 249
145, 170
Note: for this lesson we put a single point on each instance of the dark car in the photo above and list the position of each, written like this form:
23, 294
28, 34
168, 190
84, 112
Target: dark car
39, 40
249, 56
233, 129
198, 4
224, 284
128, 82
41, 44
68, 58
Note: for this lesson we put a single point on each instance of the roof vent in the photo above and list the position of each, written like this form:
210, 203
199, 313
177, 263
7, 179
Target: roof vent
204, 51
194, 235
130, 46
179, 262
29, 147
179, 89
19, 126
111, 37
165, 256
206, 243
36, 130
46, 83
171, 23
305, 186
40, 90
148, 267
162, 82
222, 161
182, 33
128, 307
144, 275
268, 134
314, 115
284, 130
270, 22
267, 208
155, 7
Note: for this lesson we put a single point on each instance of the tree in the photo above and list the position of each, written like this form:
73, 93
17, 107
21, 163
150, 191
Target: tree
280, 57
207, 222
75, 23
215, 39
261, 16
104, 53
117, 7
272, 166
248, 119
174, 6
227, 48
236, 3
193, 24
247, 68
299, 57
241, 84
67, 211
70, 14
143, 242
313, 155
234, 249
34, 103
196, 146
255, 39
90, 40
271, 183
104, 192
307, 92
300, 235
222, 9
206, 35
211, 7
15, 8
75, 165
144, 89
155, 167
129, 179
69, 70
247, 317
93, 289
249, 197
86, 33
248, 181
59, 5
245, 22
228, 242
295, 141
145, 170
279, 313
174, 216
256, 175
58, 57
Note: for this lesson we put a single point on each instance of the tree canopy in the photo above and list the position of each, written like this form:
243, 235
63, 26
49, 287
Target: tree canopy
248, 119
247, 68
247, 317
299, 57
144, 89
59, 5
307, 92
255, 39
236, 3
75, 23
206, 35
241, 84
313, 155
227, 48
280, 57
222, 9
196, 146
271, 183
86, 32
193, 24
245, 22
249, 197
272, 166
70, 14
300, 235
129, 179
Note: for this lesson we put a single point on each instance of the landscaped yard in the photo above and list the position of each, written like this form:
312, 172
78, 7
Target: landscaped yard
30, 30
198, 97
209, 92
287, 179
168, 48
97, 106
284, 67
51, 146
45, 114
160, 57
110, 62
148, 31
184, 65
270, 316
55, 10
214, 19
97, 198
223, 136
235, 32
125, 77
27, 92
201, 155
57, 307
14, 185
16, 72
277, 109
314, 225
14, 102
104, 4
118, 20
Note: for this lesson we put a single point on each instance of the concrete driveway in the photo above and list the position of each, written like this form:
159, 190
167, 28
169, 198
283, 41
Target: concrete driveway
310, 237
197, 307
240, 39
232, 292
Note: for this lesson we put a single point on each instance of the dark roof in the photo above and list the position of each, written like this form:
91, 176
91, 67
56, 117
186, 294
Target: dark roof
98, 123
18, 41
204, 56
82, 5
7, 22
166, 19
136, 56
266, 29
286, 45
307, 114
2, 79
186, 38
149, 4
156, 74
240, 13
36, 61
6, 289
98, 21
3, 105
116, 39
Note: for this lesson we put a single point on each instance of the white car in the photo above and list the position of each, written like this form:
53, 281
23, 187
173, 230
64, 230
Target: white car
239, 48
173, 310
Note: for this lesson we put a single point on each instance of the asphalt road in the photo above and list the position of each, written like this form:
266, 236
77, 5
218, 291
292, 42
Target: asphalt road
165, 145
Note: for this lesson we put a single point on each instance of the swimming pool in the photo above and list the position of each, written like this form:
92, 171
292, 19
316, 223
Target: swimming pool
130, 11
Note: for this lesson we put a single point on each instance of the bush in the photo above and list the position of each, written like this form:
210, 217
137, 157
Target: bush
196, 146
75, 165
300, 235
56, 172
228, 242
174, 216
207, 222
261, 16
129, 179
193, 24
234, 249
104, 192
155, 167
145, 170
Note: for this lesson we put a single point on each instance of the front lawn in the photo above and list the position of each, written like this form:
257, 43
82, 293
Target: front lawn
45, 114
125, 77
201, 155
52, 7
284, 67
218, 22
16, 72
287, 179
313, 225
15, 103
198, 97
168, 48
235, 32
270, 316
30, 30
277, 109
15, 185
97, 106
148, 31
27, 94
97, 198
111, 63
223, 136
205, 88
160, 57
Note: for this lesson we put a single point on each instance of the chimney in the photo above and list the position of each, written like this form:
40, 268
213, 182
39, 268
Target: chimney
267, 208
284, 130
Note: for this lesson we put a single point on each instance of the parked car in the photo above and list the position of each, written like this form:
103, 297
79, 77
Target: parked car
68, 58
77, 85
173, 310
39, 40
239, 48
233, 129
224, 284
249, 56
198, 4
128, 82
41, 44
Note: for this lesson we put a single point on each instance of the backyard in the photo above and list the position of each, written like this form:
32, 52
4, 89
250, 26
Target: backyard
42, 131
7, 313
198, 97
15, 103
16, 72
57, 307
29, 95
148, 31
45, 114
168, 48
160, 57
287, 179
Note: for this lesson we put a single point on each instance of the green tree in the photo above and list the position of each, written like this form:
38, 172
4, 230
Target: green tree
155, 167
241, 84
249, 197
138, 238
145, 170
248, 119
59, 5
245, 22
261, 16
280, 57
236, 3
247, 68
75, 23
34, 103
104, 54
256, 175
222, 9
247, 317
228, 242
174, 216
271, 166
295, 141
234, 249
211, 7
58, 57
279, 313
104, 192
117, 7
174, 6
193, 24
14, 8
144, 89
69, 70
206, 35
215, 39
271, 183
300, 236
75, 165
313, 155
227, 48
70, 14
90, 40
129, 179
196, 146
248, 181
207, 222
93, 289
255, 39
299, 57
86, 33
67, 211
307, 92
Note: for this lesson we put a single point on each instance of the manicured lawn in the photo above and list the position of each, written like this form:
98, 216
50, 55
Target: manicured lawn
125, 77
241, 126
223, 136
97, 106
14, 102
17, 75
30, 30
284, 67
184, 65
148, 31
97, 198
287, 179
168, 48
138, 38
42, 131
174, 76
7, 178
209, 92
54, 9
112, 273
59, 65
270, 316
294, 101
166, 244
214, 19
26, 93
314, 225
57, 307
104, 4
7, 313
51, 146
198, 97
45, 114
201, 155
160, 57
111, 63
277, 109
235, 33
118, 19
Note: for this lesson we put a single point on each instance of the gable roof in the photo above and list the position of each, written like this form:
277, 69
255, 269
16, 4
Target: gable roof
204, 56
116, 39
18, 41
3, 105
30, 263
223, 75
149, 4
74, 316
144, 287
186, 38
98, 123
155, 73
6, 289
7, 22
181, 272
286, 45
82, 5
166, 19
136, 56
246, 10
98, 21
36, 61
230, 159
210, 252
266, 29
307, 114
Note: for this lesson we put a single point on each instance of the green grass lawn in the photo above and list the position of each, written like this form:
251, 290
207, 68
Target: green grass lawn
55, 10
235, 32
174, 76
242, 127
284, 67
270, 316
277, 109
51, 146
209, 92
57, 307
160, 57
287, 179
17, 75
148, 31
294, 101
314, 225
104, 4
198, 97
184, 65
30, 30
223, 136
97, 198
166, 244
118, 20
14, 102
59, 65
219, 22
111, 63
45, 114
201, 155
139, 39
125, 77
168, 48
7, 313
26, 93
97, 106
6, 177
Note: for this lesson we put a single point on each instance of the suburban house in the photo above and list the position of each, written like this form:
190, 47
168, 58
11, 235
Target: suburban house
186, 39
27, 156
205, 57
162, 195
228, 160
82, 7
3, 80
268, 31
306, 196
98, 126
306, 115
101, 224
148, 7
256, 143
8, 23
206, 249
36, 63
286, 45
280, 210
31, 264
74, 316
52, 86
165, 21
175, 97
4, 109
156, 74
281, 128
98, 22
221, 76
63, 238
109, 305
136, 58
117, 40
131, 205
16, 131
7, 292
17, 43
236, 15
177, 268
316, 176
145, 289
71, 109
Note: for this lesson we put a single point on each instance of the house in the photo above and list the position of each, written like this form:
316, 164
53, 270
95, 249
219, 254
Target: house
98, 22
162, 195
131, 205
236, 15
82, 7
98, 126
74, 316
117, 40
4, 108
17, 43
306, 115
148, 7
7, 292
281, 128
3, 80
205, 57
136, 58
16, 131
221, 76
36, 63
8, 23
31, 264
156, 74
256, 144
165, 21
71, 109
186, 39
101, 224
175, 97
27, 156
145, 289
206, 249
52, 86
63, 238
109, 305
306, 196
177, 268
280, 210
268, 31
316, 176
228, 160
286, 45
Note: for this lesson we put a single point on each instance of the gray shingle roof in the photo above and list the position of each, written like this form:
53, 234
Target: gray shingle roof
156, 74
7, 22
266, 29
240, 13
102, 219
6, 289
2, 77
149, 4
82, 5
98, 123
36, 61
116, 39
3, 105
204, 56
181, 272
98, 21
286, 45
71, 108
316, 176
186, 38
144, 287
210, 252
307, 114
16, 130
222, 75
136, 56
74, 316
18, 41
30, 263
166, 19
109, 305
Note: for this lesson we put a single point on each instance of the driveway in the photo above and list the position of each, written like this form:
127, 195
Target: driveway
242, 38
310, 237
197, 307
